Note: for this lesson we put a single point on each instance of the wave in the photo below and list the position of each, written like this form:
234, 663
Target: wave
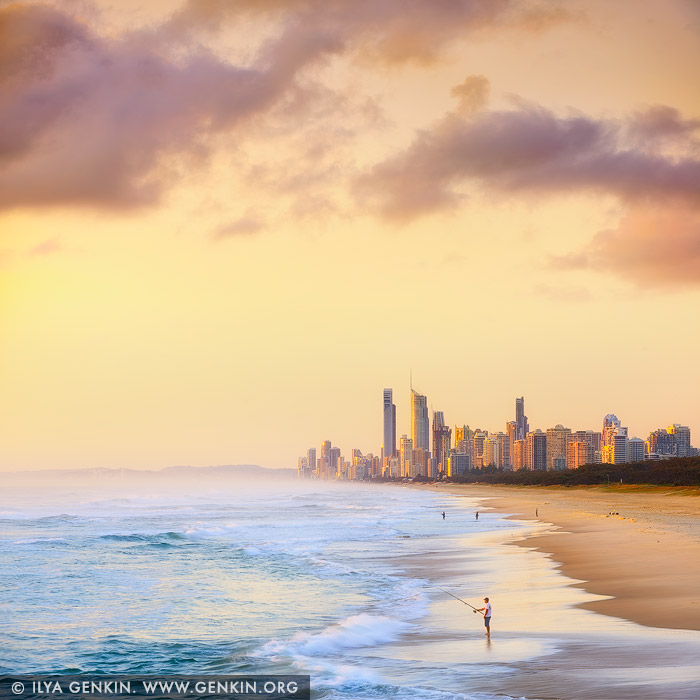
135, 537
363, 630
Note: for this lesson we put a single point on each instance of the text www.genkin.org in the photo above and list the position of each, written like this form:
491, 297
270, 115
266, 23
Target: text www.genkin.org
191, 687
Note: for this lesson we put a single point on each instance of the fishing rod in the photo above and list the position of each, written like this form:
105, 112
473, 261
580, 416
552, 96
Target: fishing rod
455, 597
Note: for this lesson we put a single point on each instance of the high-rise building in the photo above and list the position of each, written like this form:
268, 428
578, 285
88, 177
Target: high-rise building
441, 441
458, 463
579, 452
635, 450
672, 441
503, 440
405, 453
326, 449
519, 454
420, 463
557, 440
536, 450
311, 459
681, 434
521, 425
322, 467
334, 462
614, 440
497, 451
389, 445
462, 437
492, 452
478, 448
512, 437
393, 468
420, 423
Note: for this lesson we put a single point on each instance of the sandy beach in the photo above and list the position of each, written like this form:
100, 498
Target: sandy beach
638, 545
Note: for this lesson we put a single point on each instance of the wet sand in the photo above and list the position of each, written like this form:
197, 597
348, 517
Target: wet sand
573, 561
639, 545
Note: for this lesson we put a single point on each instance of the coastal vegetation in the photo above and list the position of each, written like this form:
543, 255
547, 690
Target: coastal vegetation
677, 471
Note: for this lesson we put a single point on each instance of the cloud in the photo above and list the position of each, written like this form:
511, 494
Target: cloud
247, 225
396, 31
47, 247
90, 119
662, 122
472, 94
650, 247
523, 151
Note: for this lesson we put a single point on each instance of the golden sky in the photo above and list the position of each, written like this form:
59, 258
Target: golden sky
226, 226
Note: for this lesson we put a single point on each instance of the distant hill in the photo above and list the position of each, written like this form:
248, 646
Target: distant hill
230, 470
220, 471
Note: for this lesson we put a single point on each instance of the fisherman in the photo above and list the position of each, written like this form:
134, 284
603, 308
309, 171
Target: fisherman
443, 514
477, 515
487, 616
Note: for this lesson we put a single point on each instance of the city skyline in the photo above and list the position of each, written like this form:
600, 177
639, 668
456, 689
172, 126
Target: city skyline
224, 225
518, 447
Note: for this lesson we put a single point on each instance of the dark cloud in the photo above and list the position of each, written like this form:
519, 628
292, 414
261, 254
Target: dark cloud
111, 121
90, 119
527, 150
662, 122
651, 248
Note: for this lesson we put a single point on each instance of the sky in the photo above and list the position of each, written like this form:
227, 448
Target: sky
227, 225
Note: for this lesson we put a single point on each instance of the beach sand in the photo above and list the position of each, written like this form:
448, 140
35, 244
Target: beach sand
646, 554
620, 624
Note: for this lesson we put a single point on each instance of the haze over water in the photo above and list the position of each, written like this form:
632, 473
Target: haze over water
296, 578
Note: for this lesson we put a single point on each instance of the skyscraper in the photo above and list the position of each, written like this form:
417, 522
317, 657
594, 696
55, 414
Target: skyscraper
389, 424
420, 423
521, 425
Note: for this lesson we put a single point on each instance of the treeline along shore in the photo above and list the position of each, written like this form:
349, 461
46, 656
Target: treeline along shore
678, 471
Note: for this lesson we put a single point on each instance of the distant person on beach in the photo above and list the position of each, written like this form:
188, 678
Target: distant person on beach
487, 616
443, 514
537, 514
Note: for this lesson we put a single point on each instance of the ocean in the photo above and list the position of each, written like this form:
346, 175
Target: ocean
336, 581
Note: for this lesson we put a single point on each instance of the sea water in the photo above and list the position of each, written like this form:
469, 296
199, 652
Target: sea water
337, 581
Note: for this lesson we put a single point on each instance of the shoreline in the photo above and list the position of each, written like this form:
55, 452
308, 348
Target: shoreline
638, 545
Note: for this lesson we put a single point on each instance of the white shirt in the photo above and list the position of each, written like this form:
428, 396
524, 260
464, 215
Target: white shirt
487, 611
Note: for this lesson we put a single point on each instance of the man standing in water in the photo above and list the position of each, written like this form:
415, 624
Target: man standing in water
487, 616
